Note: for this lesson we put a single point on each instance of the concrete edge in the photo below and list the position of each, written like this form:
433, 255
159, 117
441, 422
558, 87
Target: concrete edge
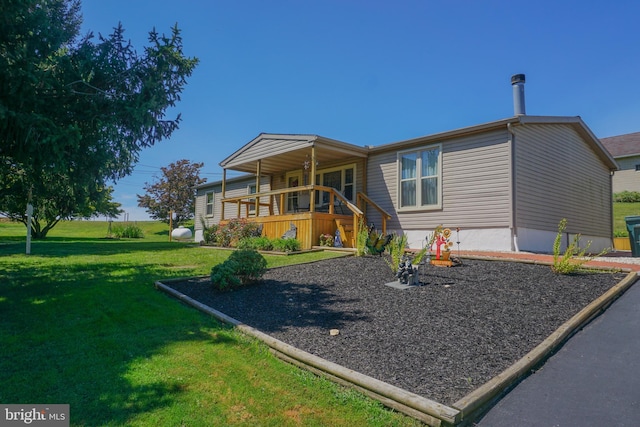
539, 262
481, 398
427, 410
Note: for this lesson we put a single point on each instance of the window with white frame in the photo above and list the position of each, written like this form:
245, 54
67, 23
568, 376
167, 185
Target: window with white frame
419, 175
209, 203
341, 178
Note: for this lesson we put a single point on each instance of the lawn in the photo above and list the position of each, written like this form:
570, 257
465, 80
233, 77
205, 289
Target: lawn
82, 324
620, 210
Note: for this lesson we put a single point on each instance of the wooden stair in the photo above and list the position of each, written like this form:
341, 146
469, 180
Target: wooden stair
347, 233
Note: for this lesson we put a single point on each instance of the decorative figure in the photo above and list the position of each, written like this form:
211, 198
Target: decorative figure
407, 273
376, 242
337, 241
291, 232
440, 238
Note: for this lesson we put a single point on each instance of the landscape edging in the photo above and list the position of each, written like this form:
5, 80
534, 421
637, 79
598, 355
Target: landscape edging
478, 400
431, 412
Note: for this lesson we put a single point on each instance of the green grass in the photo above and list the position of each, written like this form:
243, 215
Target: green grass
620, 210
81, 323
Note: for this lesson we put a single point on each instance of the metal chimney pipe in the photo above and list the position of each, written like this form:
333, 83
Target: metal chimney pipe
517, 81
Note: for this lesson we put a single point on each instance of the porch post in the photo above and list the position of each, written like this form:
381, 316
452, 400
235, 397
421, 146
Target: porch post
257, 199
224, 190
312, 196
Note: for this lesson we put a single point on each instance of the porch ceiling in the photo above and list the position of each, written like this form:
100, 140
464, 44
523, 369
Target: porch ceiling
281, 153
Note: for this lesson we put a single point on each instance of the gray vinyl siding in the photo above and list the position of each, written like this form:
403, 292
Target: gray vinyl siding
627, 178
269, 147
234, 188
201, 206
559, 176
476, 186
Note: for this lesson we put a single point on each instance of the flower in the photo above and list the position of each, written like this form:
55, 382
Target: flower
326, 239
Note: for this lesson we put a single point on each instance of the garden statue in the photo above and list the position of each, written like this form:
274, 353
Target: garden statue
337, 241
440, 238
290, 233
407, 273
376, 242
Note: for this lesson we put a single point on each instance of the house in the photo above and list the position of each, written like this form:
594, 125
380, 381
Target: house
626, 150
502, 186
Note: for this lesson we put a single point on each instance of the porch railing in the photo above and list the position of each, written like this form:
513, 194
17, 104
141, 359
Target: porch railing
276, 201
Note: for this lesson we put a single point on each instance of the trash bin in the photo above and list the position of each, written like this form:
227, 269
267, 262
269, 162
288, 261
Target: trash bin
633, 227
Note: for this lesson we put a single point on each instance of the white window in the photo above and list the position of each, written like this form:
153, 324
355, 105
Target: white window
209, 203
341, 178
420, 178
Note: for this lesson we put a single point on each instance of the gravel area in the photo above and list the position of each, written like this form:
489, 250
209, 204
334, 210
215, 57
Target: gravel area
441, 340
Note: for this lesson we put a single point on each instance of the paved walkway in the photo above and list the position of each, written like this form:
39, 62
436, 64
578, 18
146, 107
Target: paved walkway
593, 380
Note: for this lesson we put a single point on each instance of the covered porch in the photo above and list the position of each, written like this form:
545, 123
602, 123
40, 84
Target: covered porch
316, 185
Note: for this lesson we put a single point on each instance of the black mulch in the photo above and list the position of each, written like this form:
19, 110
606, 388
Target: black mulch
440, 340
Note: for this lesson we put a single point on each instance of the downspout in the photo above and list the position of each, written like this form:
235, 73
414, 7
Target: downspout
611, 224
512, 188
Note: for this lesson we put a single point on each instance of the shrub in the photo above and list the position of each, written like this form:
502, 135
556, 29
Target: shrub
573, 258
286, 245
235, 230
621, 233
258, 243
209, 233
128, 231
243, 267
627, 197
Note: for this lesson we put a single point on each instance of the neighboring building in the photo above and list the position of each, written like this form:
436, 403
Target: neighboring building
505, 184
626, 150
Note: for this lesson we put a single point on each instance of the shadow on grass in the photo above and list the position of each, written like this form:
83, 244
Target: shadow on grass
85, 334
61, 247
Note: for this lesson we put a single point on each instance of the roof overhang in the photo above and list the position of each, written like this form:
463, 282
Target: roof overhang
283, 152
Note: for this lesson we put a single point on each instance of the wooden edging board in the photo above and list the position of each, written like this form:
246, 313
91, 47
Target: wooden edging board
414, 405
428, 411
481, 398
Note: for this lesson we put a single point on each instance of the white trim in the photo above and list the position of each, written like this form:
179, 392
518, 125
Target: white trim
207, 204
342, 168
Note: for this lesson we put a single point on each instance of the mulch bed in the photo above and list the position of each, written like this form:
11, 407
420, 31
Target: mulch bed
441, 340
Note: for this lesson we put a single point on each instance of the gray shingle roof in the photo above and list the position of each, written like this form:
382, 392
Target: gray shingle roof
623, 145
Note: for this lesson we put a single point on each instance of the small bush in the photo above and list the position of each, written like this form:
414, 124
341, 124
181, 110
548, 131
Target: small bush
286, 245
258, 243
626, 197
326, 240
127, 231
210, 234
233, 232
243, 267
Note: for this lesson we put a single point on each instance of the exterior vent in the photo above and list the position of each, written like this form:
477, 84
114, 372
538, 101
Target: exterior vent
517, 81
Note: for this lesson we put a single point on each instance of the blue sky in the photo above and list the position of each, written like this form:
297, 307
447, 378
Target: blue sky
373, 72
